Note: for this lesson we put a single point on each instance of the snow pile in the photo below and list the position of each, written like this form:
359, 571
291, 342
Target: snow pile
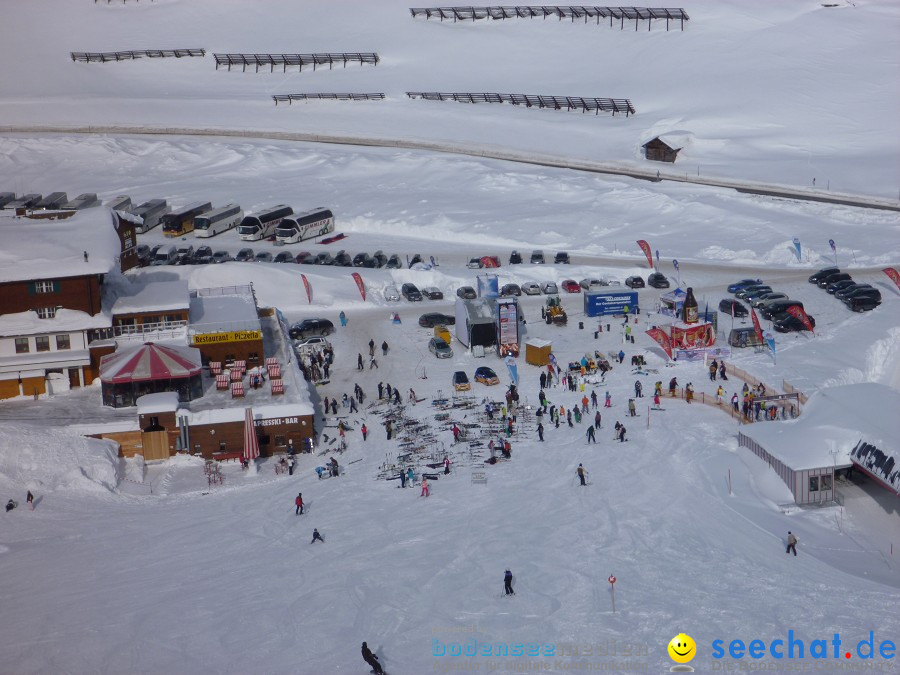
47, 460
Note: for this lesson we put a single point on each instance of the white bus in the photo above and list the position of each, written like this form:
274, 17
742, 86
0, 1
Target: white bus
305, 225
262, 225
217, 221
150, 213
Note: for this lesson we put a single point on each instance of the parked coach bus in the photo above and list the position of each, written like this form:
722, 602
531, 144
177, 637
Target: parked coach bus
262, 225
181, 221
305, 225
217, 221
151, 213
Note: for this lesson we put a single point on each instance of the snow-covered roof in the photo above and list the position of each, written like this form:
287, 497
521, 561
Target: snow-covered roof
237, 413
833, 422
538, 342
210, 313
154, 296
65, 321
165, 401
480, 310
54, 249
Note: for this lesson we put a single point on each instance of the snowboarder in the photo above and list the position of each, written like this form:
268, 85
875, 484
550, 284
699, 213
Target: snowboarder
343, 318
621, 433
365, 430
631, 409
384, 348
507, 583
371, 659
424, 488
10, 505
316, 537
590, 435
580, 471
540, 430
608, 403
299, 502
507, 449
791, 543
30, 500
359, 362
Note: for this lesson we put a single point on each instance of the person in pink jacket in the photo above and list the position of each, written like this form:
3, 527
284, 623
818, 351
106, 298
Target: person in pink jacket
424, 488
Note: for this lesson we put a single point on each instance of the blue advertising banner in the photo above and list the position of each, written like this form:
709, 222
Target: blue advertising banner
602, 303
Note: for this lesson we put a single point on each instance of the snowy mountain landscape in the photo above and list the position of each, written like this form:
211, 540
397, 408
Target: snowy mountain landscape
127, 566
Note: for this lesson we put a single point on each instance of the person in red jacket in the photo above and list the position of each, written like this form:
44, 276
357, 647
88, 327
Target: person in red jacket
299, 502
365, 431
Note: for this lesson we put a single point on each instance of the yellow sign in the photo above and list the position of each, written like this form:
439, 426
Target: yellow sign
234, 336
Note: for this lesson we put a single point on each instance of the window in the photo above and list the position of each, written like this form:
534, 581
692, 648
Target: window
813, 483
253, 357
279, 442
42, 343
62, 342
22, 346
221, 446
46, 312
43, 286
824, 482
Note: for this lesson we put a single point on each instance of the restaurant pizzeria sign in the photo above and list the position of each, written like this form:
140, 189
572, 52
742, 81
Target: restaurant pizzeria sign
234, 336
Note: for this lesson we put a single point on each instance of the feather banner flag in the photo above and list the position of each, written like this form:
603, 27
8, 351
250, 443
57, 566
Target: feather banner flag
662, 339
892, 273
645, 247
360, 285
798, 312
307, 287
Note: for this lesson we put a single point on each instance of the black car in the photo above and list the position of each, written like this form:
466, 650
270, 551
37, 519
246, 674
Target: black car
417, 258
775, 308
787, 323
323, 259
866, 292
849, 290
203, 255
220, 257
510, 290
515, 258
363, 260
657, 280
433, 319
862, 303
394, 262
733, 306
309, 327
561, 258
244, 255
342, 259
144, 254
284, 257
379, 258
833, 279
410, 292
537, 257
466, 293
821, 274
752, 290
831, 289
433, 293
634, 282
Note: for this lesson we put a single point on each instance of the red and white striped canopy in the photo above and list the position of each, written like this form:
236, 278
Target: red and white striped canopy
251, 442
150, 362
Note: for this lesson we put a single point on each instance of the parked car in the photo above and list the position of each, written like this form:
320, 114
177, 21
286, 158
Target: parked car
433, 293
791, 324
313, 341
863, 303
244, 255
415, 260
391, 293
309, 327
753, 296
486, 375
380, 258
303, 258
549, 288
769, 310
515, 258
767, 297
728, 306
343, 259
815, 276
394, 262
865, 292
833, 278
144, 254
474, 264
831, 289
561, 258
537, 257
738, 285
263, 256
460, 381
466, 293
220, 257
589, 283
184, 254
752, 290
284, 257
531, 288
635, 282
844, 292
323, 258
432, 319
510, 290
202, 256
440, 348
571, 286
411, 293
363, 260
657, 280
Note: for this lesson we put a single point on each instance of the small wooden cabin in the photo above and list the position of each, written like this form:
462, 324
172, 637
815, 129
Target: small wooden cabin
659, 151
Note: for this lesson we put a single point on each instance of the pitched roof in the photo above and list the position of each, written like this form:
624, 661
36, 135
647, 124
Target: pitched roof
150, 362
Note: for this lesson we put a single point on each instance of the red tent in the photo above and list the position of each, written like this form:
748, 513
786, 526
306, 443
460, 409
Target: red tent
150, 368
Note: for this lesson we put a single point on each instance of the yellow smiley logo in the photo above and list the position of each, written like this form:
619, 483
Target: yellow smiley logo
682, 648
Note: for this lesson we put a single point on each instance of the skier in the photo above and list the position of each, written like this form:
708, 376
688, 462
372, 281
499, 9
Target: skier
791, 543
371, 659
622, 433
359, 362
30, 500
597, 419
384, 348
334, 406
299, 502
593, 399
580, 471
590, 435
584, 404
365, 431
631, 409
673, 383
540, 430
507, 583
424, 487
316, 537
656, 400
657, 388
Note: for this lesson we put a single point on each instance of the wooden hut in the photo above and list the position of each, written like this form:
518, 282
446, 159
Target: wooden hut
537, 352
658, 150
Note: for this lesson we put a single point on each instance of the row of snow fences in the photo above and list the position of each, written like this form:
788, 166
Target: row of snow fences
284, 60
596, 105
572, 12
290, 98
104, 57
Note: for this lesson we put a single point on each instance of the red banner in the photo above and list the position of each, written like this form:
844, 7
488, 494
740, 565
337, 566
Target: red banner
662, 339
308, 288
800, 313
360, 285
892, 273
645, 247
756, 326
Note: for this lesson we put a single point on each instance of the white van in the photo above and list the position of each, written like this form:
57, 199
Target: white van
166, 255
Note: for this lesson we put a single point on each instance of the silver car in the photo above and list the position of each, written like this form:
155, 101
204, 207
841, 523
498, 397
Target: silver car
439, 348
549, 288
531, 288
391, 293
